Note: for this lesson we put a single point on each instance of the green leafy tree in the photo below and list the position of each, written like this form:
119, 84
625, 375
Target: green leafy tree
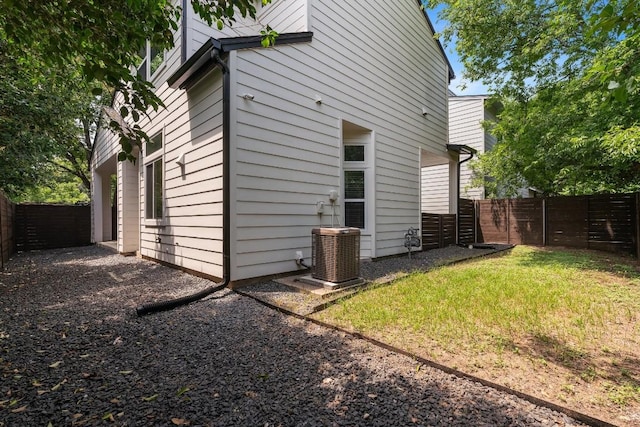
568, 74
47, 120
102, 40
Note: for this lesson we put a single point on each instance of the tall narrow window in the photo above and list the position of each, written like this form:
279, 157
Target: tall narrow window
354, 198
154, 178
354, 186
358, 183
151, 59
156, 58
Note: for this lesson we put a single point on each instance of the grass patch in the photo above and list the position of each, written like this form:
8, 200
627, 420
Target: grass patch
559, 295
532, 312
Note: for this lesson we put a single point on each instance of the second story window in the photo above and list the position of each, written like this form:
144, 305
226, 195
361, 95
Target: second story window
154, 178
151, 60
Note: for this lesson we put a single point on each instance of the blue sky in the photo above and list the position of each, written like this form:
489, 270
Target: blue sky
473, 88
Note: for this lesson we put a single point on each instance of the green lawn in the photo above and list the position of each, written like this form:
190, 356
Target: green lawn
567, 295
578, 310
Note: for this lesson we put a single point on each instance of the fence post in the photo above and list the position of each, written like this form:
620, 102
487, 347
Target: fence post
544, 222
638, 226
476, 220
508, 221
3, 203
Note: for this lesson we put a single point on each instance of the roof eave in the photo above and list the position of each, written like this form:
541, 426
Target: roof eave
203, 60
452, 75
461, 149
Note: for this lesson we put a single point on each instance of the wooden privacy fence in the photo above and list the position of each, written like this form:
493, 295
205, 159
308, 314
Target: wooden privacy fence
608, 222
7, 215
439, 230
467, 222
51, 226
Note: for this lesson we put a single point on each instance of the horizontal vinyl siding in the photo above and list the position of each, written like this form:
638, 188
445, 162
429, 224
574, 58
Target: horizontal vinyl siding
284, 16
191, 231
397, 70
107, 146
286, 161
288, 146
465, 127
435, 189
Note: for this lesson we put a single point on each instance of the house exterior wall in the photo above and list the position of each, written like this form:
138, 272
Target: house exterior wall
284, 16
435, 189
465, 127
466, 114
128, 207
190, 233
288, 152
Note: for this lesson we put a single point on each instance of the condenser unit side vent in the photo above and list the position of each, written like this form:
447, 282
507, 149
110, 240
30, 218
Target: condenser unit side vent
335, 254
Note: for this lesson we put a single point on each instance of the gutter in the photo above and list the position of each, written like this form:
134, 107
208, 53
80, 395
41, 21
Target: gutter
460, 149
155, 307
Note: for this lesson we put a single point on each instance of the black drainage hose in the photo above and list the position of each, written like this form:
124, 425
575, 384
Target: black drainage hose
155, 307
302, 263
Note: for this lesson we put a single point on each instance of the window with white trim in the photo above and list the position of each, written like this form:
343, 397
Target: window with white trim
151, 58
154, 177
354, 186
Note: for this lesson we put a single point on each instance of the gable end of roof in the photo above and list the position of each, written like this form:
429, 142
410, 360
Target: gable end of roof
452, 75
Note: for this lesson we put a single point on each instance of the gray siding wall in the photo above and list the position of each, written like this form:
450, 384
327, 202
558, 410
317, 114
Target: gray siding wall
374, 64
465, 117
435, 189
466, 114
190, 234
284, 16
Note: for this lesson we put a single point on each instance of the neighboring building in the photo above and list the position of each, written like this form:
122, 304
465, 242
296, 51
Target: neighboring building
466, 114
351, 102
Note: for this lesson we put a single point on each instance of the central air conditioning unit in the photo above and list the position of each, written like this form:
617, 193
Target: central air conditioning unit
335, 254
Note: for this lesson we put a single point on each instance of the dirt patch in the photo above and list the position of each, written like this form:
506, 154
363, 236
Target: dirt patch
600, 382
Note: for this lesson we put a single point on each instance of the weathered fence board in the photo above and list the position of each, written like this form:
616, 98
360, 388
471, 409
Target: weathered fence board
526, 221
51, 226
567, 221
448, 235
7, 215
611, 223
603, 222
438, 231
467, 221
492, 220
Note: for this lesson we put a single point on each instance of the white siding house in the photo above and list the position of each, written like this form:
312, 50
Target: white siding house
466, 114
352, 100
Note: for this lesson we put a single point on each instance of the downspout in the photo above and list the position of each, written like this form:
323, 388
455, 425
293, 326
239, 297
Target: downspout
460, 162
184, 35
155, 307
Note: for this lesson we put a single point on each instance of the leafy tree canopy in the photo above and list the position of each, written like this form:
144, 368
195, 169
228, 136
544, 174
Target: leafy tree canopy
101, 40
47, 117
568, 74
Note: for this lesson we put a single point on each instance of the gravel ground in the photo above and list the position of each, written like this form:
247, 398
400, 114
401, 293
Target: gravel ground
73, 353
